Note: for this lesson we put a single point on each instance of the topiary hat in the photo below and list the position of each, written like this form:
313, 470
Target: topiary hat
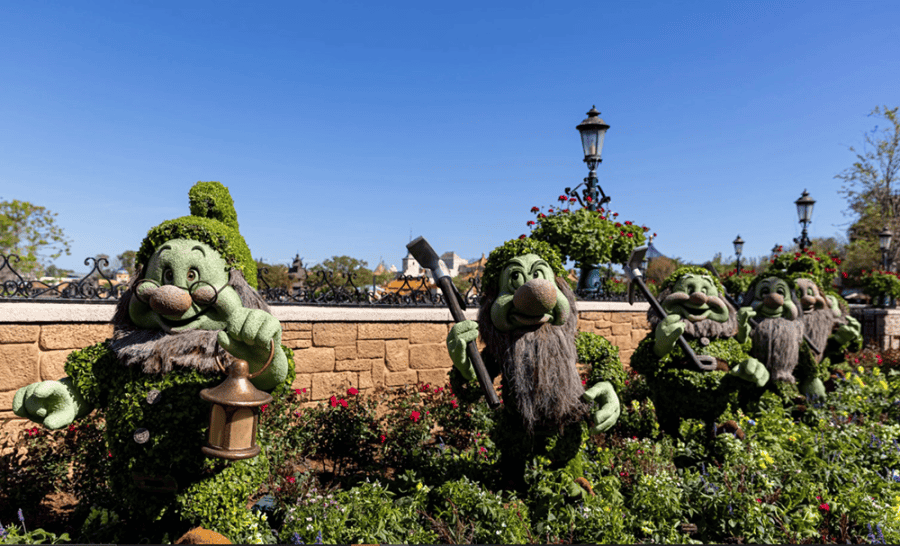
213, 221
517, 247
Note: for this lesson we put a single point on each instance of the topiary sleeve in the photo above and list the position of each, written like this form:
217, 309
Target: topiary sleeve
89, 368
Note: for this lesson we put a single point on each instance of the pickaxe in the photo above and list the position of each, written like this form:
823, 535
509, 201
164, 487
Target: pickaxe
428, 258
705, 363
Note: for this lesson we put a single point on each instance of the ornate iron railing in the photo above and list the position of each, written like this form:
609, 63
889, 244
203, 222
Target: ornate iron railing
321, 287
93, 286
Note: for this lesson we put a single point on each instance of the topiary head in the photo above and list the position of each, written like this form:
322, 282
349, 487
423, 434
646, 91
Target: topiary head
694, 294
213, 222
772, 295
520, 281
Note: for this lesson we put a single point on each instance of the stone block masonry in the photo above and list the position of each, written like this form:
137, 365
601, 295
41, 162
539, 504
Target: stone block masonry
334, 348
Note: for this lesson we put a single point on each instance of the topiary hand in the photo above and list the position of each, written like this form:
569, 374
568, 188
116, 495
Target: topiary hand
848, 332
458, 338
605, 417
53, 404
813, 388
248, 335
667, 333
752, 370
744, 316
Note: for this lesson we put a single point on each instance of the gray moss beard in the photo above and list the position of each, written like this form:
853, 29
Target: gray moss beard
539, 367
158, 352
707, 328
818, 325
776, 343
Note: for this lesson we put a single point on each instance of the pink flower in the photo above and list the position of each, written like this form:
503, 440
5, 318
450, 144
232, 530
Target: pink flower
109, 454
352, 391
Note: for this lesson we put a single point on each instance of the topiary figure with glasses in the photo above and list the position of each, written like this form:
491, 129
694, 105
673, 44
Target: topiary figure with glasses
192, 301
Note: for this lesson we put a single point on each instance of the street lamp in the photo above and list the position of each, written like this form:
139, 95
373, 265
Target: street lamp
804, 212
738, 249
593, 131
884, 243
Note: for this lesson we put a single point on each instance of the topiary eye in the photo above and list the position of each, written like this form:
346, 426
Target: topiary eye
516, 279
168, 275
193, 275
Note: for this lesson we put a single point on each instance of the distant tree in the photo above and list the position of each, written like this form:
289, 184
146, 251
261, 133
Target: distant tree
126, 260
30, 232
274, 275
343, 268
53, 271
872, 193
659, 268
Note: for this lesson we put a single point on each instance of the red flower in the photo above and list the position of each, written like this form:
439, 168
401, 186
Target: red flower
550, 211
109, 454
263, 408
618, 224
654, 235
589, 199
565, 210
603, 217
522, 236
72, 427
645, 228
824, 507
530, 222
333, 400
562, 198
615, 214
297, 391
415, 416
627, 222
584, 381
630, 234
454, 403
534, 209
542, 215
342, 402
352, 391
383, 438
291, 479
571, 199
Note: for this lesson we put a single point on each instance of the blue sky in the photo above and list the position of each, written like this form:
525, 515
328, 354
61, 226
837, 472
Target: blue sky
342, 128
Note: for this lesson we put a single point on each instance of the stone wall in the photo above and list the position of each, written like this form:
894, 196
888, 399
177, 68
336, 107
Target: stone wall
334, 348
881, 327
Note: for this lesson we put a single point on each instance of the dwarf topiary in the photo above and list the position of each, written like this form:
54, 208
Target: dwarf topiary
528, 321
694, 302
188, 305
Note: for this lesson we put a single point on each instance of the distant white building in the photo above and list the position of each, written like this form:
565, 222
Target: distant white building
450, 260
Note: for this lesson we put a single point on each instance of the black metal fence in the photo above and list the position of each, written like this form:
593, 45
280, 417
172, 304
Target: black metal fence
319, 288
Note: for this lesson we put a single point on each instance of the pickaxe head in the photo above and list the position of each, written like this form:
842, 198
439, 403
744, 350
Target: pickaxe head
634, 264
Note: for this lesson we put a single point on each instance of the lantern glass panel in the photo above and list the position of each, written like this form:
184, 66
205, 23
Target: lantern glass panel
884, 239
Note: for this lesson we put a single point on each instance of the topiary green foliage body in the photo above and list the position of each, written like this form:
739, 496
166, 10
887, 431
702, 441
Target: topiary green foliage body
589, 237
188, 310
692, 299
602, 356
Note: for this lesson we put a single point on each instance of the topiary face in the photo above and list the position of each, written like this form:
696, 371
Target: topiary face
528, 296
772, 297
695, 297
810, 297
180, 289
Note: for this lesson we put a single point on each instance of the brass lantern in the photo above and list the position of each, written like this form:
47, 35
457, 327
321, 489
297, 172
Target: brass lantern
234, 417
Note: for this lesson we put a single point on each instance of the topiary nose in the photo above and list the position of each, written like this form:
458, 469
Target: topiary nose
536, 297
170, 300
698, 298
774, 300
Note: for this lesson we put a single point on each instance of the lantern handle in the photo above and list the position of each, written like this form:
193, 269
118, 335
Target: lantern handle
253, 375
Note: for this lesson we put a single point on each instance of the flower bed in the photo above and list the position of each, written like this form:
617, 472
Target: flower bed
416, 465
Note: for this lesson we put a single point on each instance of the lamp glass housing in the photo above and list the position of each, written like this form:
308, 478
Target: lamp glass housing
884, 238
738, 245
805, 207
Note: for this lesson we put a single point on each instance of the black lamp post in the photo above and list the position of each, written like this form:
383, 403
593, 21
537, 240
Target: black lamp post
884, 243
804, 212
738, 249
593, 131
